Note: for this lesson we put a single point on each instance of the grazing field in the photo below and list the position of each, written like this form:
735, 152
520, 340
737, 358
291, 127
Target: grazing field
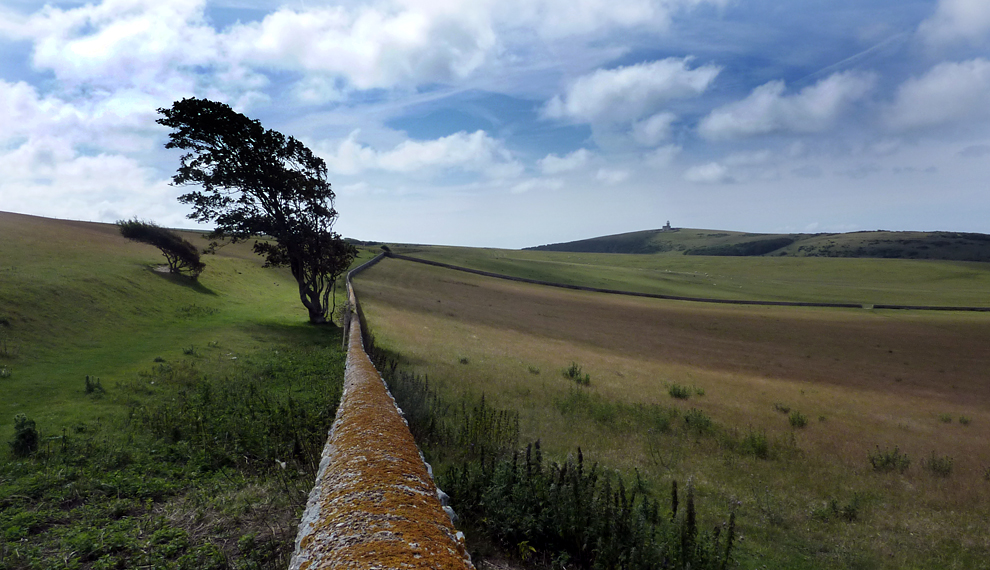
834, 280
135, 386
801, 419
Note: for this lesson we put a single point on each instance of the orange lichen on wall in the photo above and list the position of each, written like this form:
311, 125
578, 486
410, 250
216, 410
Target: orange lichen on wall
375, 504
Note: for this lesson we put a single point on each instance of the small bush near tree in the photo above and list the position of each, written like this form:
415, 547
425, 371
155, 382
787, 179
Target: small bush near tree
182, 256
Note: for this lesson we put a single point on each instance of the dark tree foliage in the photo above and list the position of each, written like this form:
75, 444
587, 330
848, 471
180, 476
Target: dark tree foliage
259, 182
182, 256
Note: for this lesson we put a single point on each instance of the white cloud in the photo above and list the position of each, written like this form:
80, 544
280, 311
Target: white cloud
662, 157
710, 173
611, 176
562, 18
553, 164
380, 46
146, 43
630, 93
471, 152
957, 20
654, 130
767, 109
948, 93
537, 184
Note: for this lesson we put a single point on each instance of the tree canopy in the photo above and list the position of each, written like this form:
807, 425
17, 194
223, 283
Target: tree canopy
182, 256
259, 182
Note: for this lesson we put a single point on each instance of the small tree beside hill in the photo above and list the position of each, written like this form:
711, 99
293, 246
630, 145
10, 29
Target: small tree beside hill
182, 256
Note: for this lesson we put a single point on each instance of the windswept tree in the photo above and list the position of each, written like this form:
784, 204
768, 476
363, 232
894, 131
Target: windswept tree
182, 256
257, 182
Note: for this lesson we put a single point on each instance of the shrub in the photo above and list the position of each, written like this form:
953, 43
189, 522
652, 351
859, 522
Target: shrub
887, 460
756, 444
945, 418
25, 436
679, 392
574, 373
182, 256
698, 422
964, 420
939, 466
797, 419
93, 385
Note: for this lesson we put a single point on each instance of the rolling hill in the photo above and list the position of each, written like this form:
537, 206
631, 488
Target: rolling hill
951, 246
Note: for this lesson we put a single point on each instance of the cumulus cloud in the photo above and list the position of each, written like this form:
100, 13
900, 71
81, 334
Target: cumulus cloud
380, 46
710, 173
654, 130
470, 152
537, 184
957, 20
629, 93
768, 109
553, 164
611, 176
948, 93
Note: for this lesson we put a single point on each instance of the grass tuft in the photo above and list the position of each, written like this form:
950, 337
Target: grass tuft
797, 419
887, 460
574, 373
938, 465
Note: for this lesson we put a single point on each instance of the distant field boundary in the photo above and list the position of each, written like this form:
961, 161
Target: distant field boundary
690, 299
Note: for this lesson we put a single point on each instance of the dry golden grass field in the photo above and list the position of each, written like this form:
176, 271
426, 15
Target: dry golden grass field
864, 380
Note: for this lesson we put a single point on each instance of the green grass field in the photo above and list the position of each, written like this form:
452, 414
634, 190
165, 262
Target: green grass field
798, 399
157, 467
835, 280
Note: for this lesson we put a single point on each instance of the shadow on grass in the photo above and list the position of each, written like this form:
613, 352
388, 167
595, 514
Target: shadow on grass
299, 333
183, 280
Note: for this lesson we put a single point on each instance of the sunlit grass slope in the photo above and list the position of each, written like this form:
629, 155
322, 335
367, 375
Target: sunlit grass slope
77, 299
813, 279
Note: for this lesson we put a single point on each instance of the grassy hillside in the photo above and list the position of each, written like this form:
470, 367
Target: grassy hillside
149, 461
839, 280
955, 246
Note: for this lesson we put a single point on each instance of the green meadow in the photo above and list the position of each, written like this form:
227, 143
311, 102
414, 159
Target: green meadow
138, 384
808, 279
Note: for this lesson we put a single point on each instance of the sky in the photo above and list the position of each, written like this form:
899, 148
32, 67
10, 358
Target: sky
514, 123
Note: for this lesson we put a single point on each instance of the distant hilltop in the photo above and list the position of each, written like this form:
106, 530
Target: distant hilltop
954, 246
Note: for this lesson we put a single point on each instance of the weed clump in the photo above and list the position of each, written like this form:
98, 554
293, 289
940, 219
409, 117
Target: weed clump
534, 370
945, 418
463, 360
756, 444
963, 420
887, 460
26, 436
93, 386
679, 392
574, 372
939, 466
832, 510
699, 422
797, 419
